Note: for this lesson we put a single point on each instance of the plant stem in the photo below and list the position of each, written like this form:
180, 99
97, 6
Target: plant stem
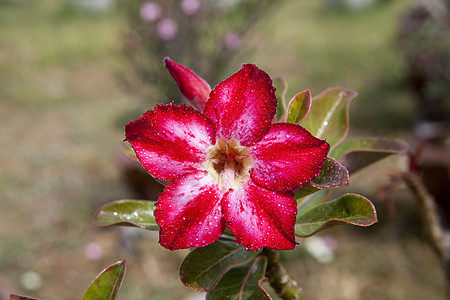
438, 236
279, 278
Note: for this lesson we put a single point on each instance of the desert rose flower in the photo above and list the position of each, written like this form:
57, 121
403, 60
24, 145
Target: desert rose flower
228, 167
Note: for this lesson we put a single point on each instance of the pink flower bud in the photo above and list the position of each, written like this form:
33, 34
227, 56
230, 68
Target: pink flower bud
193, 87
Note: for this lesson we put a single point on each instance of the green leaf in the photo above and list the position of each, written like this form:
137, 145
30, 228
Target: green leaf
313, 200
203, 267
281, 89
333, 175
299, 107
328, 117
356, 154
242, 282
347, 209
17, 297
107, 284
305, 191
137, 213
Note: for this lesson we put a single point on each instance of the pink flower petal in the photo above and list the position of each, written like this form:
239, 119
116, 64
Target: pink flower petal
287, 158
243, 105
260, 218
193, 87
189, 212
170, 140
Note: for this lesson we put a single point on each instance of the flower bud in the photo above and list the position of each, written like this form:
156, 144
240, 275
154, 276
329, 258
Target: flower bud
193, 87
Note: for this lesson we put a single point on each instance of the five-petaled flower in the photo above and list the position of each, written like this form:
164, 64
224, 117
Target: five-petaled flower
229, 166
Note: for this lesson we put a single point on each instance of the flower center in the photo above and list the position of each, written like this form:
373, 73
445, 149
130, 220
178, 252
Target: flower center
229, 163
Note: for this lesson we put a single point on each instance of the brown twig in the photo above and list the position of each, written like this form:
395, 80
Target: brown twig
438, 236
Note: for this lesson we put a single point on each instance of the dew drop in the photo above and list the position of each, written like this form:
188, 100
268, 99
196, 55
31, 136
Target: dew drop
324, 145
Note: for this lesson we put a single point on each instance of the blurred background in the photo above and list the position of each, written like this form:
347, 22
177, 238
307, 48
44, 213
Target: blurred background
74, 72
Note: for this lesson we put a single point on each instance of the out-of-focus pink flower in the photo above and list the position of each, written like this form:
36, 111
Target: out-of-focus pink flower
191, 7
232, 41
193, 87
167, 29
93, 251
150, 11
228, 167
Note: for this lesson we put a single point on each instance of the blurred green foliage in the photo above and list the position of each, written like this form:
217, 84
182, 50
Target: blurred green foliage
201, 34
59, 106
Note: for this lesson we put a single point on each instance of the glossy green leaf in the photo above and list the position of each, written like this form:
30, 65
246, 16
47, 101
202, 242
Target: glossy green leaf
333, 175
137, 213
17, 297
347, 209
305, 191
202, 269
107, 284
313, 200
356, 154
328, 117
281, 89
299, 107
242, 282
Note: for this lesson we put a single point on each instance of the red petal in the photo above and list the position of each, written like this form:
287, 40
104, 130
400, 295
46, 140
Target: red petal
189, 212
193, 87
260, 218
288, 157
170, 140
243, 105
